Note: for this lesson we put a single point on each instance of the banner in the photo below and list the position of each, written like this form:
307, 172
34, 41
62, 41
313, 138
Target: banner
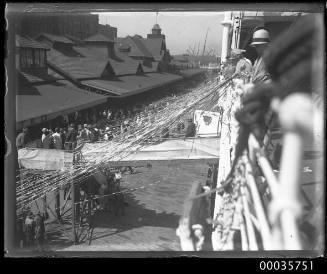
207, 123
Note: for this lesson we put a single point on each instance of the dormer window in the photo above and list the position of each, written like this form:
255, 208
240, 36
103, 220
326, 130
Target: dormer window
32, 58
31, 53
124, 47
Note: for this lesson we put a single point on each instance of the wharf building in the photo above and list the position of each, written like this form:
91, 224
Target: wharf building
61, 72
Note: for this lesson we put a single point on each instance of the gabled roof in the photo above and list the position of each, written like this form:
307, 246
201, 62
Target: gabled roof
98, 38
126, 68
27, 42
152, 68
55, 38
78, 67
139, 42
154, 46
122, 64
138, 48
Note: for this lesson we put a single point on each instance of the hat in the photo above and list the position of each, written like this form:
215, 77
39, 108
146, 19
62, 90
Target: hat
44, 130
260, 36
85, 125
107, 128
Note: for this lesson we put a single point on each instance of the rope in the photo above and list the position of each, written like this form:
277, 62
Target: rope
146, 131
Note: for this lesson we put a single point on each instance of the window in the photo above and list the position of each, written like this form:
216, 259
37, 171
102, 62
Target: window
32, 58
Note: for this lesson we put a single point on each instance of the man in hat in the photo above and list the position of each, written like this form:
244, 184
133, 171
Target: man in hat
190, 130
243, 67
260, 41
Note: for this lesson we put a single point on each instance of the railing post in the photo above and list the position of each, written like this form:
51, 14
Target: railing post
286, 207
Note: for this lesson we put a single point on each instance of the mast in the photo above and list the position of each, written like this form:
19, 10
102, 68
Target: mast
205, 41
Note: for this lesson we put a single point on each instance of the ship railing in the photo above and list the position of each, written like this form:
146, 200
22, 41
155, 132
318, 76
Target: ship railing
273, 210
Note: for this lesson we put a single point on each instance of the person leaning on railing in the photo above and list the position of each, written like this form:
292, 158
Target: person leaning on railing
243, 67
257, 122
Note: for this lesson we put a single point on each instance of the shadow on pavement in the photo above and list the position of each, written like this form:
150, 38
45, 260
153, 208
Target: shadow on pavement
136, 215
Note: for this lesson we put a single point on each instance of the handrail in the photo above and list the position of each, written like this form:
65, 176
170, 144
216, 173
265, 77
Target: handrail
262, 218
277, 223
264, 164
253, 245
287, 207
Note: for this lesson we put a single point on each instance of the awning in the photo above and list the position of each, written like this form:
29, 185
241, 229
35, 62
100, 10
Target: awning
188, 149
45, 159
133, 84
52, 100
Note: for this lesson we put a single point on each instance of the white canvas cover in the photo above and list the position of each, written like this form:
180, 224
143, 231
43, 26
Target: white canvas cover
171, 149
44, 159
207, 123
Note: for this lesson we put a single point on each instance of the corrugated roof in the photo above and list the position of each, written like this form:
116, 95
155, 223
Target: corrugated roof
55, 38
54, 99
98, 38
133, 84
26, 42
78, 67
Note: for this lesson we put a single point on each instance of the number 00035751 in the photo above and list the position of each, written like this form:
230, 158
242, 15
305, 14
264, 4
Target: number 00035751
286, 265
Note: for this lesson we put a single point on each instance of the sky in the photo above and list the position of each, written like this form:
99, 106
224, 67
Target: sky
183, 30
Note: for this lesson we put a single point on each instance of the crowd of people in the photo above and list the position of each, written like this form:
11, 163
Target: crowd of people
100, 123
31, 230
108, 124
